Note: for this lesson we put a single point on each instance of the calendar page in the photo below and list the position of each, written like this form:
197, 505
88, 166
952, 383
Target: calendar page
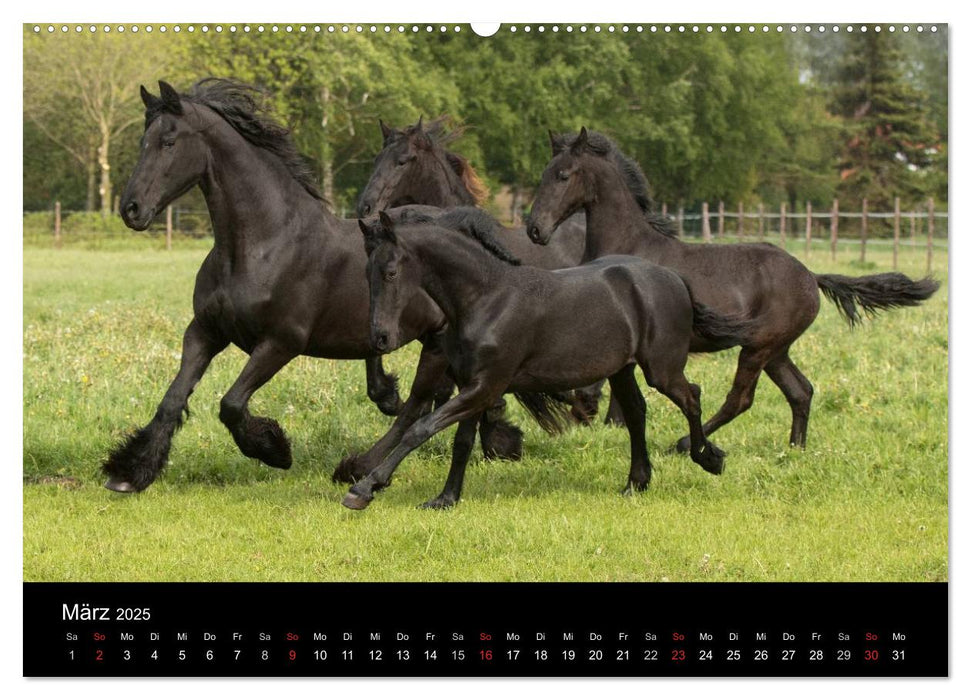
512, 350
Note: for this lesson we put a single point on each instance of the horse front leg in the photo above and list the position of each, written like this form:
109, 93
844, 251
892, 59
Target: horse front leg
462, 446
382, 387
256, 436
432, 366
137, 462
465, 407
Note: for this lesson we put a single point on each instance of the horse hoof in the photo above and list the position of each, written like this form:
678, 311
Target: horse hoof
633, 488
390, 406
683, 445
351, 470
355, 501
713, 460
439, 503
120, 486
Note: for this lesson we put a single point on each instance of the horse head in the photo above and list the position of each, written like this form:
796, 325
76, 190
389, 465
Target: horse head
414, 167
172, 159
564, 188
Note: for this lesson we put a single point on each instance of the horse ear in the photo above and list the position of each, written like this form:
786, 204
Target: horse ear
581, 141
386, 132
148, 98
557, 143
170, 98
387, 227
420, 138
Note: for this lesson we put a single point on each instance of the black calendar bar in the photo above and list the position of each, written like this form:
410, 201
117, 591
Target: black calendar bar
485, 629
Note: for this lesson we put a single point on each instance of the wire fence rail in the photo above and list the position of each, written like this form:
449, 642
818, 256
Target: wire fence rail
919, 229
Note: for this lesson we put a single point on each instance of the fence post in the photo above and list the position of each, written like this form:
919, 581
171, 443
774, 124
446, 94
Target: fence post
930, 234
721, 219
168, 227
741, 218
761, 222
705, 224
913, 230
57, 224
664, 210
896, 229
863, 225
782, 225
834, 224
680, 221
809, 226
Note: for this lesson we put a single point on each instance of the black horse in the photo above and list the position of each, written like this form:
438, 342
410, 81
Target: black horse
415, 166
519, 328
285, 277
760, 281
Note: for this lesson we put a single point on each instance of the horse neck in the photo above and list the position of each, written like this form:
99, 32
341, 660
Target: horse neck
251, 196
616, 224
444, 187
455, 273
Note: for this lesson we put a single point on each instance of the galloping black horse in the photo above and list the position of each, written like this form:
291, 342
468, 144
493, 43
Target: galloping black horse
762, 282
519, 328
285, 277
416, 167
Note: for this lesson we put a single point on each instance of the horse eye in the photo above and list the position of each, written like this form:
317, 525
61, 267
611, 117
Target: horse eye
563, 175
390, 274
168, 143
403, 160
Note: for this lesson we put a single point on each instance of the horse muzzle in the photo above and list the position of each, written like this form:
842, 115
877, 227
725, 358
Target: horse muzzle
381, 341
536, 235
134, 216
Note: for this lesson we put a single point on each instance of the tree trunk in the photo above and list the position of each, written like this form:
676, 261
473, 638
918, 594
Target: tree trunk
326, 156
92, 173
104, 190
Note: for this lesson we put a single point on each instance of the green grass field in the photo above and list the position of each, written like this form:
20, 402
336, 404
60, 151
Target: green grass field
866, 501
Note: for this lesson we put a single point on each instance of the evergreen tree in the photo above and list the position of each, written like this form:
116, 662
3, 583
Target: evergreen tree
888, 141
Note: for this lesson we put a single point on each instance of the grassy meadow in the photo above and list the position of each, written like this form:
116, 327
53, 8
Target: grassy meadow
866, 501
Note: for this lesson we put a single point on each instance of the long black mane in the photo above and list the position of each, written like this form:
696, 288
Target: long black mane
630, 171
476, 223
243, 107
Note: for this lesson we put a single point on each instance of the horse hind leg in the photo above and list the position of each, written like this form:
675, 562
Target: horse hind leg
257, 437
687, 397
740, 396
798, 392
133, 465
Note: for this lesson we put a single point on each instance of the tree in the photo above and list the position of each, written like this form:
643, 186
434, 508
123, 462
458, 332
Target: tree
888, 141
81, 92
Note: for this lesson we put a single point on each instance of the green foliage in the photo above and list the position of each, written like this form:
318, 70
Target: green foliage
888, 141
710, 116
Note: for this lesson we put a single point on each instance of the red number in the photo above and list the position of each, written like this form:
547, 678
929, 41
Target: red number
870, 654
99, 655
293, 655
677, 655
486, 654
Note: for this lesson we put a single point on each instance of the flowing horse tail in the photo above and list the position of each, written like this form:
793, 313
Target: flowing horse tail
874, 293
547, 409
722, 330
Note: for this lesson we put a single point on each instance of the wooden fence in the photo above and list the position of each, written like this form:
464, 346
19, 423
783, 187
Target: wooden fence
913, 229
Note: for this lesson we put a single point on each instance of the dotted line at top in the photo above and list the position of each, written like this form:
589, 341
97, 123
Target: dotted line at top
414, 28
